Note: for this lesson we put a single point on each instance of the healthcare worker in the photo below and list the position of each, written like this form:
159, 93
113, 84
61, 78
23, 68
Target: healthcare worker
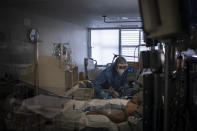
114, 77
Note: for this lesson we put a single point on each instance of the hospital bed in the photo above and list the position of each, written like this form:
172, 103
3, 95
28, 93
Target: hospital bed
49, 112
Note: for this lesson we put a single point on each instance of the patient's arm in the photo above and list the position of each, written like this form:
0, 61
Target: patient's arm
117, 117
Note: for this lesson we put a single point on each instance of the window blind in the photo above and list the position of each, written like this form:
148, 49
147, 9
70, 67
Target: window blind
130, 38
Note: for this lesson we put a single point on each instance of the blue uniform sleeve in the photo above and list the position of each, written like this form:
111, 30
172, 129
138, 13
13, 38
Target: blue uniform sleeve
100, 80
125, 85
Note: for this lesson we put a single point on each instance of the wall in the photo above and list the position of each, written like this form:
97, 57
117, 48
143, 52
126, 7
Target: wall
16, 51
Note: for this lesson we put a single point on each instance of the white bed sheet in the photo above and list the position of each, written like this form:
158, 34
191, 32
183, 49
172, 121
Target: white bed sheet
70, 113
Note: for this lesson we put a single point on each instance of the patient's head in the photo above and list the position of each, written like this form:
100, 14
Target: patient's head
132, 105
139, 98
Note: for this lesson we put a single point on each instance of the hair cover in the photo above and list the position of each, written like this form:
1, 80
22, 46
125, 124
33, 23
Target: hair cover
120, 60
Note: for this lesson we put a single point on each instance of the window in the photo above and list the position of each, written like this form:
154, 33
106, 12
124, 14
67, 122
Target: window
142, 48
106, 42
129, 42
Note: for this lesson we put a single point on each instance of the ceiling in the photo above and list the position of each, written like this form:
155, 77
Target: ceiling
87, 13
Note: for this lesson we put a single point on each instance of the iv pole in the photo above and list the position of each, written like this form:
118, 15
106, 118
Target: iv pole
36, 70
33, 37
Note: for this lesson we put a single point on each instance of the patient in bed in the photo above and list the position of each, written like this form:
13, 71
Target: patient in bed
133, 107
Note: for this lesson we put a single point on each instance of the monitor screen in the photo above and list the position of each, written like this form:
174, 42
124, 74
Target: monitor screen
161, 18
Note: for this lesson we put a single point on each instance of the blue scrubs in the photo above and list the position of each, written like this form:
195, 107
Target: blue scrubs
110, 78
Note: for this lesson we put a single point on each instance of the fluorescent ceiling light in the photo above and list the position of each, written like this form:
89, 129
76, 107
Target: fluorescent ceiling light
124, 18
195, 56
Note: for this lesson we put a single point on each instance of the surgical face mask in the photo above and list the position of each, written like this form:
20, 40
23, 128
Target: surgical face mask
120, 71
121, 68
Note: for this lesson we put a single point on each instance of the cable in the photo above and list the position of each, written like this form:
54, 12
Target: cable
138, 57
120, 55
135, 50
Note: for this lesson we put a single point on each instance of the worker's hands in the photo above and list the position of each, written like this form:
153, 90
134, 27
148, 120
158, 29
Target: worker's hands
114, 93
105, 95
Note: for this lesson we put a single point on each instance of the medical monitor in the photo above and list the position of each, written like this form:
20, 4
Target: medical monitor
167, 18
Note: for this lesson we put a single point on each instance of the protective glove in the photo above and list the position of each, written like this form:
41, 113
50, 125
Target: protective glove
114, 93
105, 95
127, 91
